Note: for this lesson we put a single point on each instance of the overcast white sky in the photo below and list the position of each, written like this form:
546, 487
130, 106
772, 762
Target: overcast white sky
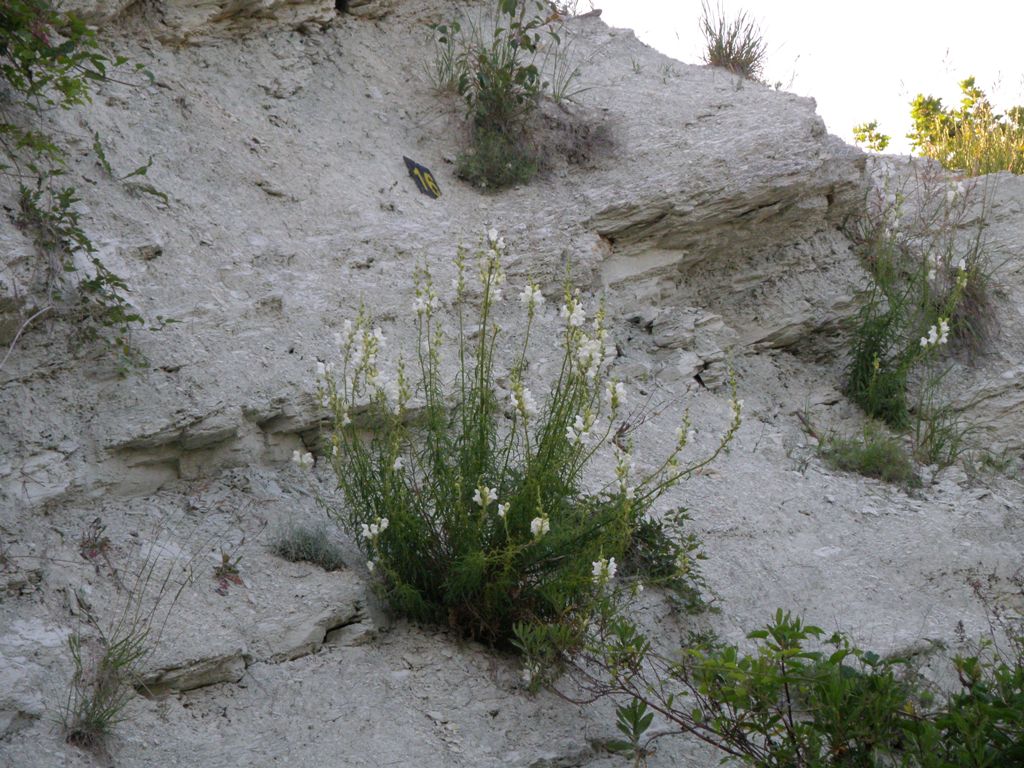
861, 60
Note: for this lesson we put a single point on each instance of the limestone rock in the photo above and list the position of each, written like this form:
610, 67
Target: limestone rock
195, 673
305, 634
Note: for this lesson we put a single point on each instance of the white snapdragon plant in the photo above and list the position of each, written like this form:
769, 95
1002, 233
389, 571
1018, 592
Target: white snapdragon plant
468, 498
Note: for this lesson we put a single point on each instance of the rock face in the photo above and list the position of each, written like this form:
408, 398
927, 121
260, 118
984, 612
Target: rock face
181, 20
710, 217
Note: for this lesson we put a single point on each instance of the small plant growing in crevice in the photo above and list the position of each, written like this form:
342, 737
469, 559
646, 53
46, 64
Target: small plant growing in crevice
226, 572
928, 270
471, 504
495, 68
736, 45
108, 657
298, 543
872, 454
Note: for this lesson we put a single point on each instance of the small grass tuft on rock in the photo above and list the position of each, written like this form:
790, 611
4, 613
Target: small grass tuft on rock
873, 454
304, 543
736, 45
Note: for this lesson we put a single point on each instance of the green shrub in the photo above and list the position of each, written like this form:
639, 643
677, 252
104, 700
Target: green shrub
471, 506
52, 60
735, 45
972, 138
493, 66
496, 160
307, 543
802, 699
874, 454
869, 135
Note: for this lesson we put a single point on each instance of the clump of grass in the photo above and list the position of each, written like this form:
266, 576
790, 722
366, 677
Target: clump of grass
103, 681
303, 543
872, 454
737, 45
108, 658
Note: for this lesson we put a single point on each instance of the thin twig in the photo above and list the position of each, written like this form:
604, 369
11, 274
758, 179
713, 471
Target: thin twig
21, 330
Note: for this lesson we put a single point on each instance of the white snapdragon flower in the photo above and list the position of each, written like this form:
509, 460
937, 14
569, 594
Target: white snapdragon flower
425, 302
684, 436
590, 357
579, 430
574, 313
962, 265
373, 530
604, 570
370, 565
497, 243
539, 526
531, 297
302, 460
522, 400
737, 409
937, 334
615, 394
484, 496
502, 510
399, 464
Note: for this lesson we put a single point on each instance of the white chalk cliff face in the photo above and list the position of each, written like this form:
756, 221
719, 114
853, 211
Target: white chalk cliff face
710, 214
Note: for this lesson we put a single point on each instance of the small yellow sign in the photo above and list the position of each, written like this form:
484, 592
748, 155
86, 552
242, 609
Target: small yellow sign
423, 177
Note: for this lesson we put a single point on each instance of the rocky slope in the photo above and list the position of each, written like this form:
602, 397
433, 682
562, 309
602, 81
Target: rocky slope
710, 213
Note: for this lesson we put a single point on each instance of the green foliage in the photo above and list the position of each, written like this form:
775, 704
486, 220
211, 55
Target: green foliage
663, 553
874, 454
737, 45
494, 68
972, 138
52, 60
308, 543
804, 699
632, 720
868, 135
496, 160
472, 508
